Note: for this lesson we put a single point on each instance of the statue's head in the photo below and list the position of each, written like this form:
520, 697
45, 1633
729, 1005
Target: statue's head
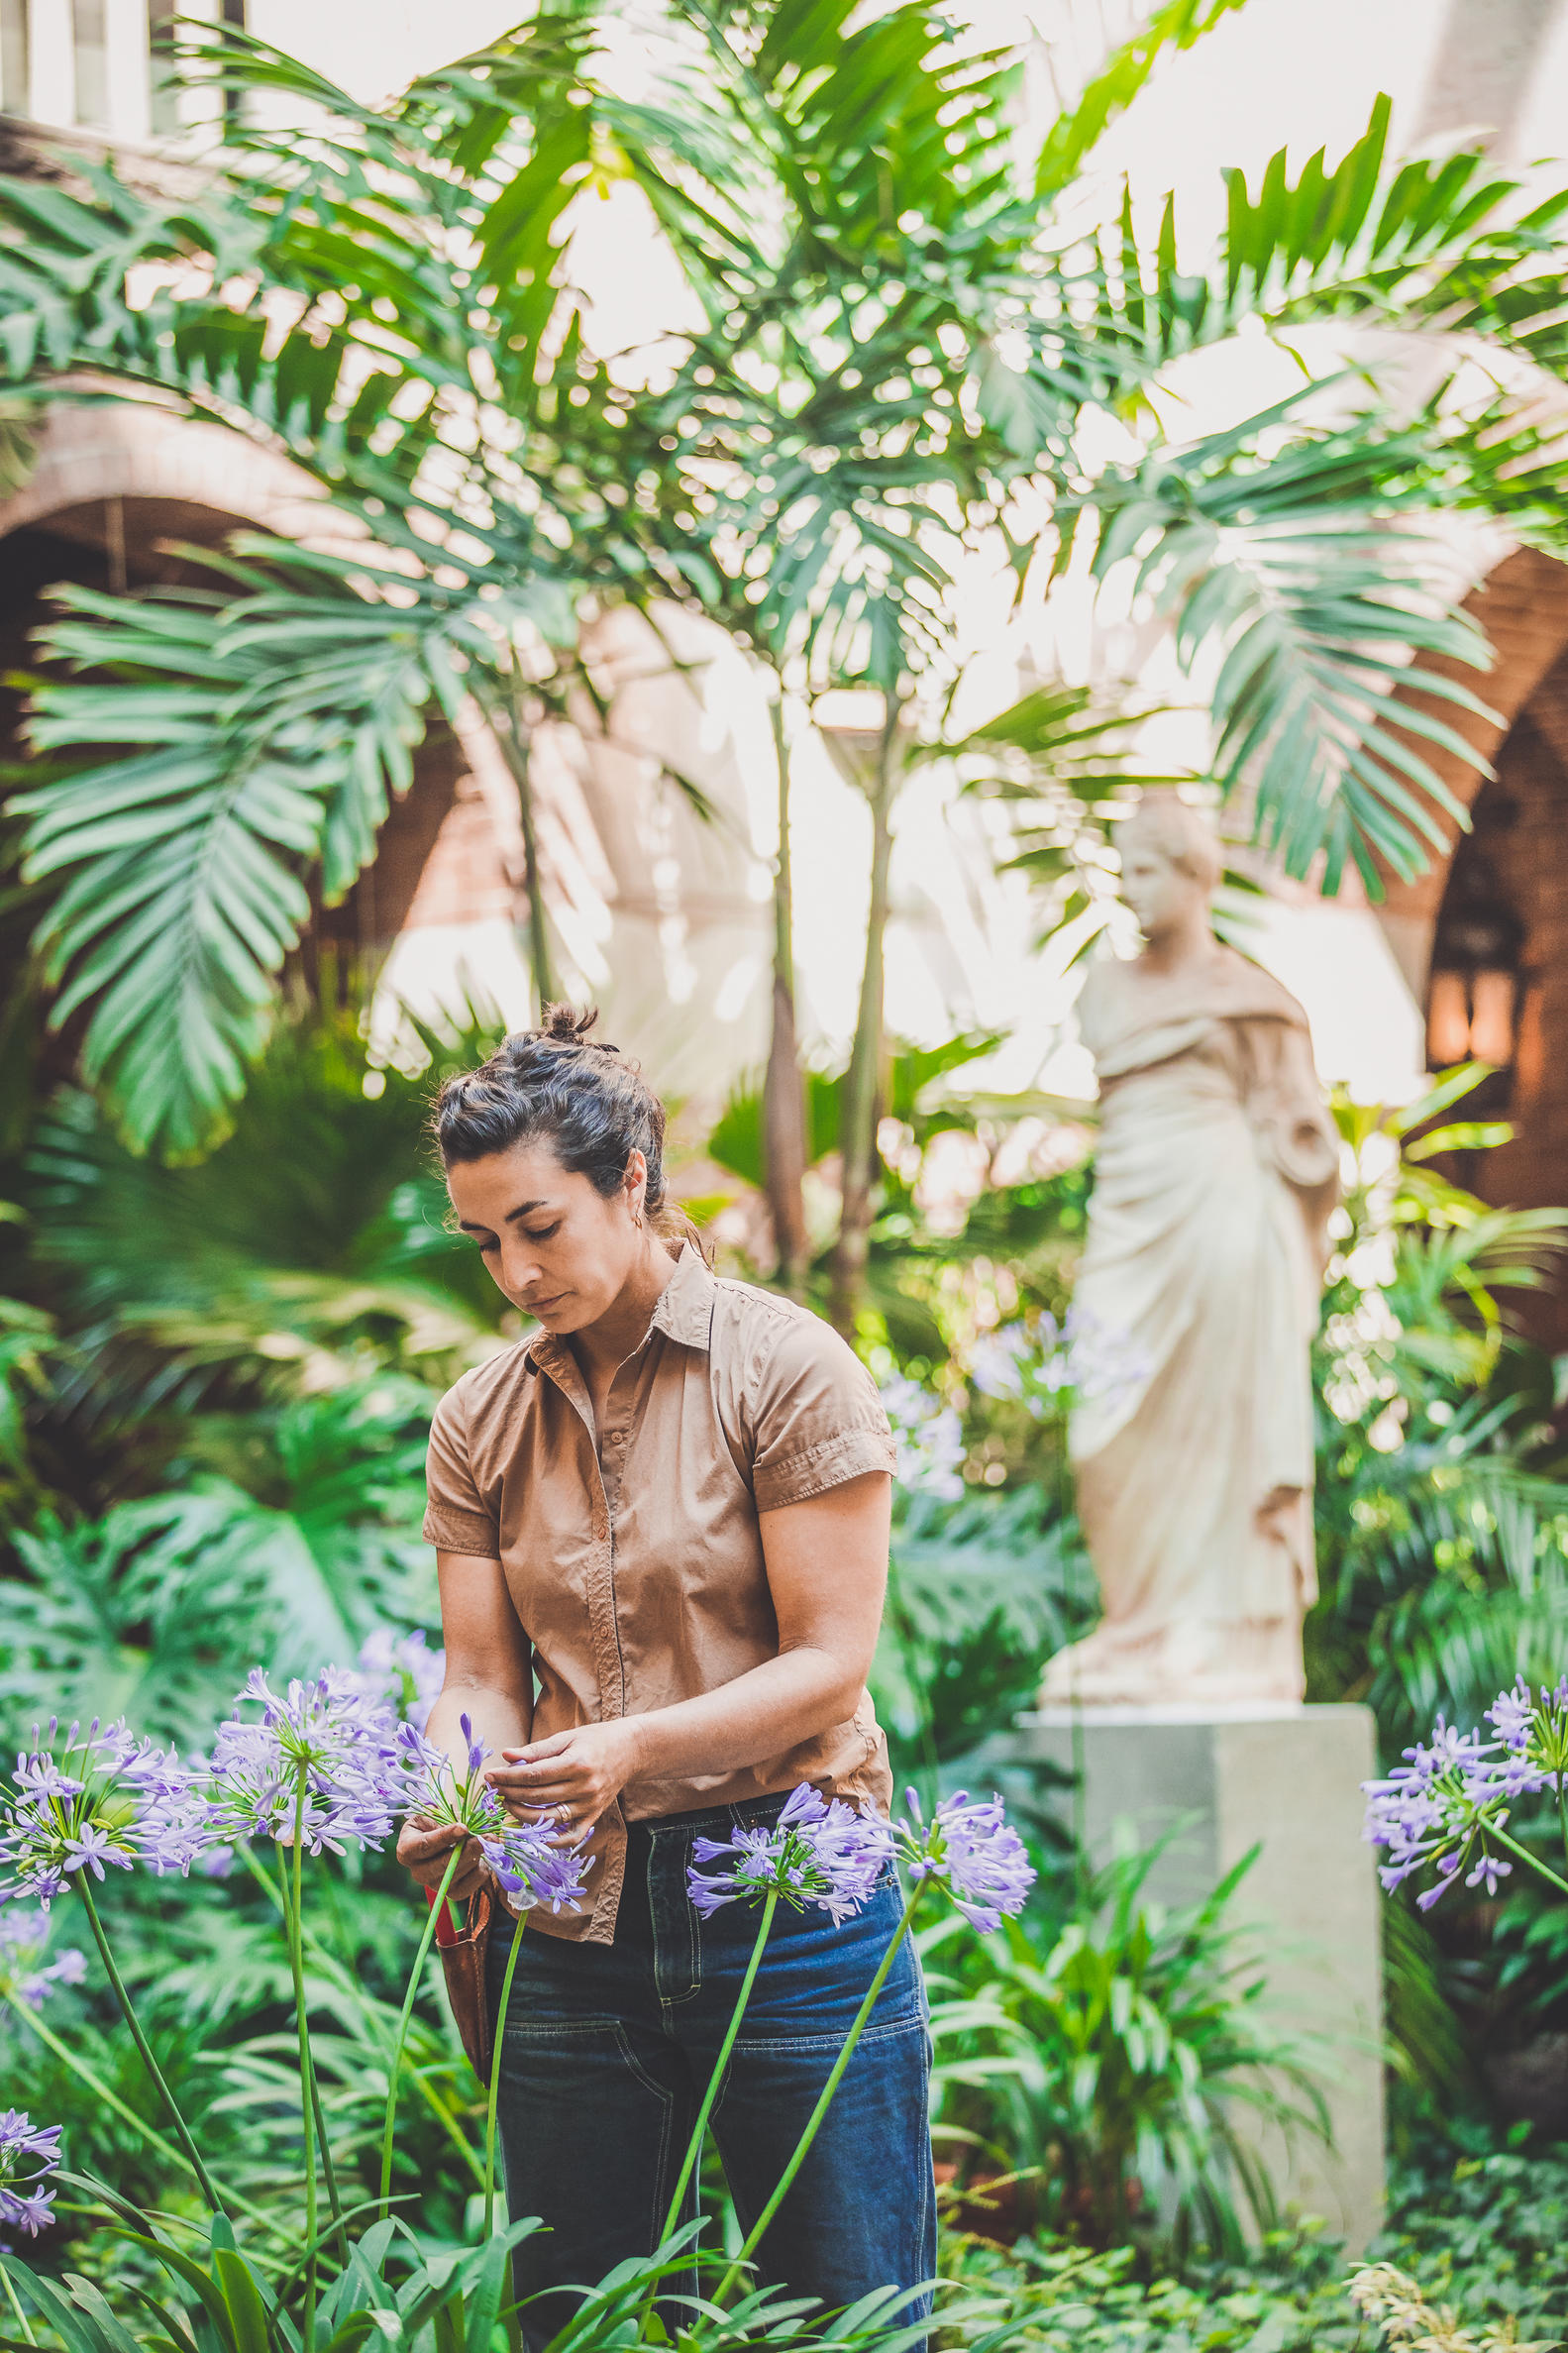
1170, 858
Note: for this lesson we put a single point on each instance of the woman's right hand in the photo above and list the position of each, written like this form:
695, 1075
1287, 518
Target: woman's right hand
425, 1850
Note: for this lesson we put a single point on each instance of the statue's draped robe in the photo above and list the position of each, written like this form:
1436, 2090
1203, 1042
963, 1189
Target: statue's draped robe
1217, 1170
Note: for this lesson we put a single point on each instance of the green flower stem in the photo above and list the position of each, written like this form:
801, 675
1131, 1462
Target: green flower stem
496, 2079
695, 2147
825, 2101
296, 1962
395, 2065
16, 2306
181, 2129
1562, 1810
344, 1977
1545, 1871
329, 2169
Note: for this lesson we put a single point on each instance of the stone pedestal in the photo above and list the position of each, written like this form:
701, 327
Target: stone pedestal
1291, 1778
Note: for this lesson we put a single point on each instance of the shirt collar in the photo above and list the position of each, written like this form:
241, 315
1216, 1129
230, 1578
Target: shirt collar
683, 1311
684, 1306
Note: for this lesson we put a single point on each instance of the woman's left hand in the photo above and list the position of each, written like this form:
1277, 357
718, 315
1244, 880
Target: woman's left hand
575, 1776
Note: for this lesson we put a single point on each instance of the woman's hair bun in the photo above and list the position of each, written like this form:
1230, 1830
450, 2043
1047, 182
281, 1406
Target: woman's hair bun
564, 1025
557, 1085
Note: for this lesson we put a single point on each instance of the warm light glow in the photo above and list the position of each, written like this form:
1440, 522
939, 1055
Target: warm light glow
1448, 1020
1470, 1019
1491, 1018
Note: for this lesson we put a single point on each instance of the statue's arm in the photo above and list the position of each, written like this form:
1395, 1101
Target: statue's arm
1294, 1128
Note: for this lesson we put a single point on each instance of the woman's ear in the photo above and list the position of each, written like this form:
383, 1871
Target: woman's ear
636, 1184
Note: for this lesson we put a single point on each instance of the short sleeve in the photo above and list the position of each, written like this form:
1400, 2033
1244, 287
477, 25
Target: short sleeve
456, 1520
816, 1417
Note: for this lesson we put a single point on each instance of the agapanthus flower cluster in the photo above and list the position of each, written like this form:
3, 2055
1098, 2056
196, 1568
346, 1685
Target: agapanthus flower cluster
400, 1671
1048, 1366
322, 1754
820, 1852
24, 1975
526, 1858
1533, 1730
927, 1436
28, 2154
969, 1849
1444, 1805
102, 1799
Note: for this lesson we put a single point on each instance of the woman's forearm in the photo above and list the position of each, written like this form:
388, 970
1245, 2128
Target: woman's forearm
501, 1717
764, 1712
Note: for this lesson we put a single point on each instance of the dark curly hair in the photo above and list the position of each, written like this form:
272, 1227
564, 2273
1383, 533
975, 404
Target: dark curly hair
556, 1085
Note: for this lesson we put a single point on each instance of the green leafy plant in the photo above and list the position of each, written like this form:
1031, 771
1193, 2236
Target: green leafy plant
157, 1609
1438, 1507
314, 1244
1114, 2061
981, 1595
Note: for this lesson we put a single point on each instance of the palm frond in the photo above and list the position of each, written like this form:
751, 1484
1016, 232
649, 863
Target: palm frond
1111, 89
219, 748
1297, 571
1063, 761
1446, 239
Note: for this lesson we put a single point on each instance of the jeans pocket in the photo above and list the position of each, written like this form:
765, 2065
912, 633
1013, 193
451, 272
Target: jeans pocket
876, 2033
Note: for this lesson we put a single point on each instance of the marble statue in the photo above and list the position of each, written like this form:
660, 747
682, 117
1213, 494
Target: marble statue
1217, 1171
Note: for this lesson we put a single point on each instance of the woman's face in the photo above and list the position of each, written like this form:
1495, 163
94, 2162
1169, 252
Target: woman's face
556, 1246
1158, 893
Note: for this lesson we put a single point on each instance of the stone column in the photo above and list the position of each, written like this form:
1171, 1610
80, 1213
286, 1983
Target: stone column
1287, 1779
127, 70
52, 63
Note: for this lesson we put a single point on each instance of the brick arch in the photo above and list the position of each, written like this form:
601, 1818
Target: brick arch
115, 481
1522, 608
123, 450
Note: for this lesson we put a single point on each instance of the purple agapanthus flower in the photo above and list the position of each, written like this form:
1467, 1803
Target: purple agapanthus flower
969, 1848
1445, 1806
29, 2153
1511, 1715
528, 1858
820, 1852
103, 1801
24, 1941
322, 1755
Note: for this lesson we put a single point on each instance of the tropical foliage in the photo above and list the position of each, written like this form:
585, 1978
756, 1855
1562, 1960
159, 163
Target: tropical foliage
1123, 2063
389, 300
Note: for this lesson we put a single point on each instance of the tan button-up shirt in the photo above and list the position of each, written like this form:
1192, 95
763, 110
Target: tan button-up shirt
635, 1564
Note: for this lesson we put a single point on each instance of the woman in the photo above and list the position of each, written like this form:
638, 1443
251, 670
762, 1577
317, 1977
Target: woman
660, 1525
1217, 1170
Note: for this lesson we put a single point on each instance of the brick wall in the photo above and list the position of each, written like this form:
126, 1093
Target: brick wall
1520, 823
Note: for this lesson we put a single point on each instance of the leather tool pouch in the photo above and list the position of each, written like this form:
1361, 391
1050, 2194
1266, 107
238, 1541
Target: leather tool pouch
462, 1958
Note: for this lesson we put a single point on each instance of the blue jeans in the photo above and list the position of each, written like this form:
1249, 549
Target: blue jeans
608, 2049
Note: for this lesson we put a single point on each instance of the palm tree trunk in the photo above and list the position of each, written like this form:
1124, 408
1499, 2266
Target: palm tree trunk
511, 734
546, 988
784, 1096
862, 1084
